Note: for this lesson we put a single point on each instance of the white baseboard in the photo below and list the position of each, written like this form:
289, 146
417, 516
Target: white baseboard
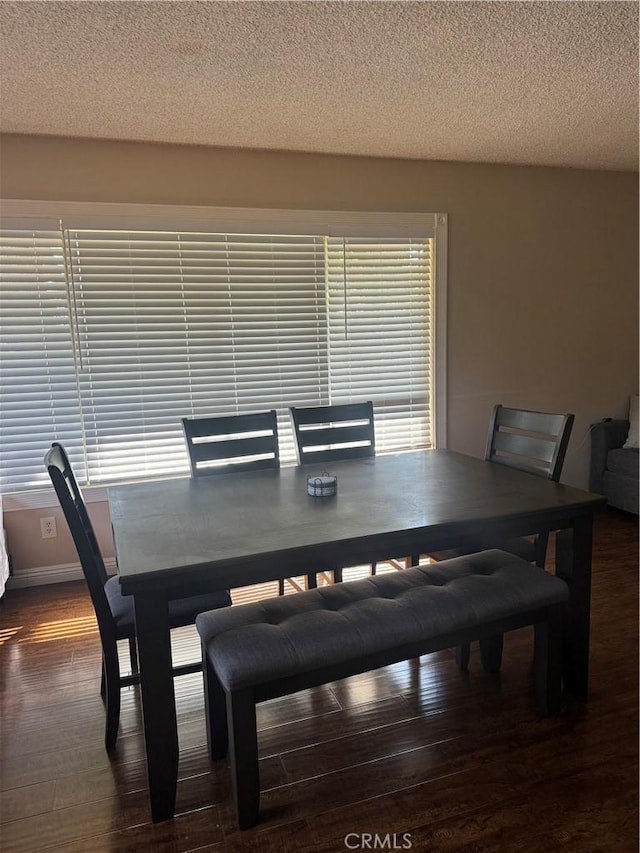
41, 575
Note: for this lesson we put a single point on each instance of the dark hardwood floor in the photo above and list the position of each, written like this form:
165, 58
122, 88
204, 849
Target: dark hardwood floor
455, 761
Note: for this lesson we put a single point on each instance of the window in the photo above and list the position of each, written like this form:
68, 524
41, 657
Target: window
111, 334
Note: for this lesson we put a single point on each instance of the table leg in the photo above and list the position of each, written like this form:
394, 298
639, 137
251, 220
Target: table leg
158, 702
573, 564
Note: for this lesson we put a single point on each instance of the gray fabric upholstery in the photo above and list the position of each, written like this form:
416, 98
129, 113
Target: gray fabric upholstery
181, 610
624, 460
621, 492
254, 644
614, 470
521, 547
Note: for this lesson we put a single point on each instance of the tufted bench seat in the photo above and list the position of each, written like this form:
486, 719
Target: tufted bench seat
255, 652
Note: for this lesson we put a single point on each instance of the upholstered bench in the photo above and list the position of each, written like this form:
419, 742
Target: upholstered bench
255, 652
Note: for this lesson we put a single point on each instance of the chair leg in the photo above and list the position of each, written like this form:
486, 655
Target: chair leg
491, 653
103, 684
215, 708
241, 712
133, 655
540, 544
111, 678
280, 586
548, 661
463, 652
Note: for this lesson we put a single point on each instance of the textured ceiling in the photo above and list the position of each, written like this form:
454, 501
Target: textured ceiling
552, 83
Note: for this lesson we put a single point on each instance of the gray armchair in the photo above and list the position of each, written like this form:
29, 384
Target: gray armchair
614, 468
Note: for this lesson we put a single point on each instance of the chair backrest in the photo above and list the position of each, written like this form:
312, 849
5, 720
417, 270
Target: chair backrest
530, 441
75, 512
238, 442
344, 431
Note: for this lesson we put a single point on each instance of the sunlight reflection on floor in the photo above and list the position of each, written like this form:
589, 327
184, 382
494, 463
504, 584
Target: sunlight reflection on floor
7, 633
81, 626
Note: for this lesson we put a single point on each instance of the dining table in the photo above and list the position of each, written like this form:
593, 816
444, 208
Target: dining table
180, 536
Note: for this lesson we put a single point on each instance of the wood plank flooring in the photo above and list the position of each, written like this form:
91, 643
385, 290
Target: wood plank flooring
417, 753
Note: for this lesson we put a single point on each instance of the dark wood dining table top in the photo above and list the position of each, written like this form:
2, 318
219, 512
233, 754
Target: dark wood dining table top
238, 529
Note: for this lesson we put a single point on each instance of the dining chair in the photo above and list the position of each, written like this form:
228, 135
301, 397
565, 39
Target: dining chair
326, 433
114, 611
534, 442
217, 445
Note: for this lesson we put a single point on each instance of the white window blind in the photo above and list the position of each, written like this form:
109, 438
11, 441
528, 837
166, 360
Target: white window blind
379, 320
110, 336
190, 324
38, 393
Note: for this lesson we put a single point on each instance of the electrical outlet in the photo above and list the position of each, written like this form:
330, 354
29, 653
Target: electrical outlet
48, 527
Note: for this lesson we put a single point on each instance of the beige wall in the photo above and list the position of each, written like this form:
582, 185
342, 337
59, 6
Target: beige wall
543, 267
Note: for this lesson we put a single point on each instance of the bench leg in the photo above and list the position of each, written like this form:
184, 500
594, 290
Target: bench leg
215, 708
548, 661
491, 652
241, 712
